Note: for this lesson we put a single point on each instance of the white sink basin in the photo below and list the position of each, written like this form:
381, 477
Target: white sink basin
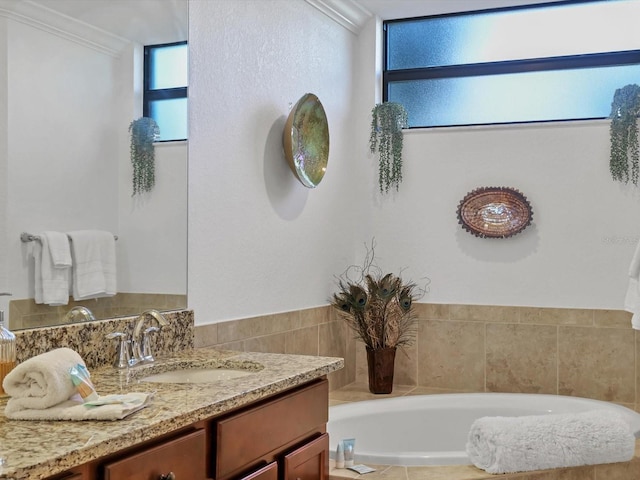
197, 375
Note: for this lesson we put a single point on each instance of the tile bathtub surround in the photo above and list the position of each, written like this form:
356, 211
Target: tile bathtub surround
88, 338
579, 352
477, 348
314, 331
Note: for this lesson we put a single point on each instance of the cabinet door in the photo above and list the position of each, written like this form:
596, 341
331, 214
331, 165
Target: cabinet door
309, 462
184, 456
269, 472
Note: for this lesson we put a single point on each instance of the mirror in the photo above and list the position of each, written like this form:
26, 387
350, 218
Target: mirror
72, 85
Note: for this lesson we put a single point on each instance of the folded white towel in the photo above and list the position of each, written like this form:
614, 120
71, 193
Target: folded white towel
536, 442
94, 264
115, 407
42, 381
52, 269
59, 249
632, 298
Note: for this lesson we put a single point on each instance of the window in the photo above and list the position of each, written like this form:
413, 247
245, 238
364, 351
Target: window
552, 61
165, 89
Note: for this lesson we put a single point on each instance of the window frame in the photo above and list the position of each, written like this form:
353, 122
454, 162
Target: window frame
556, 63
149, 95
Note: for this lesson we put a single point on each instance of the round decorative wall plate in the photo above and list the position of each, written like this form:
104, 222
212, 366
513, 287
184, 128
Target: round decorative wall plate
494, 212
306, 140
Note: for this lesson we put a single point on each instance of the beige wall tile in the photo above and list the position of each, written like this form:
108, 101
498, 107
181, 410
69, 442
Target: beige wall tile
484, 313
362, 375
451, 355
268, 343
303, 341
229, 331
612, 318
237, 346
521, 358
205, 335
350, 357
431, 311
247, 328
556, 316
406, 366
596, 363
313, 316
333, 343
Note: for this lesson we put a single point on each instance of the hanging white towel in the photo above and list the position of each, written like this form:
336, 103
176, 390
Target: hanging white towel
52, 269
632, 299
94, 264
59, 249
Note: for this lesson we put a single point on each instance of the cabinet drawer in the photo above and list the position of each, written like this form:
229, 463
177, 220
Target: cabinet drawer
246, 437
185, 456
309, 462
269, 472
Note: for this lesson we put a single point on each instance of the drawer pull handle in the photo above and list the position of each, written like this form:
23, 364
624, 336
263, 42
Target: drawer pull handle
168, 476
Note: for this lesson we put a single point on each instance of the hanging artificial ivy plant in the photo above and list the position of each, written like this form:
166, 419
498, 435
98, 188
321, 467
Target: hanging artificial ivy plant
144, 131
624, 158
387, 121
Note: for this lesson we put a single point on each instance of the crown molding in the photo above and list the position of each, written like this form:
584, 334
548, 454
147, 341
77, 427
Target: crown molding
348, 13
50, 21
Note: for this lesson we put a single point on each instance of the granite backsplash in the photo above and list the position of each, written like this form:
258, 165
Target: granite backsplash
89, 338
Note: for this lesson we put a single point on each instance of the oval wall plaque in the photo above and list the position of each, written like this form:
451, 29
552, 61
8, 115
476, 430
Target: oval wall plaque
306, 140
494, 212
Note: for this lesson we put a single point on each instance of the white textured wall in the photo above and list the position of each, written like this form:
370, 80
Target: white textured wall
260, 242
254, 251
576, 253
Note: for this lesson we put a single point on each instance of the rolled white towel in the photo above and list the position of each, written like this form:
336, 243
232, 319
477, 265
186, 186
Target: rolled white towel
536, 442
42, 381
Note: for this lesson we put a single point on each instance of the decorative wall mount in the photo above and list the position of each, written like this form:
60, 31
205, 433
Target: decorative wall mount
494, 212
306, 140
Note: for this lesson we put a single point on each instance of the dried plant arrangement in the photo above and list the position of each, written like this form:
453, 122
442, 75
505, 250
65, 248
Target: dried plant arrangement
624, 162
378, 307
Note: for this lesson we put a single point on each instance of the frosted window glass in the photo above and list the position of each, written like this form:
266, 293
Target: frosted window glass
171, 117
517, 97
168, 67
556, 30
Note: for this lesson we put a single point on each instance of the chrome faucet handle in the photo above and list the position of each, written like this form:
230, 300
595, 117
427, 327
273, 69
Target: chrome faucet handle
147, 356
123, 357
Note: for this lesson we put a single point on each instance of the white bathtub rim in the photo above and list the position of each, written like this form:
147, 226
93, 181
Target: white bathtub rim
552, 404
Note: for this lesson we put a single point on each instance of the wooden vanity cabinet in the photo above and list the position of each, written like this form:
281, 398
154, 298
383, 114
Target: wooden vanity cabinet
185, 457
280, 438
291, 425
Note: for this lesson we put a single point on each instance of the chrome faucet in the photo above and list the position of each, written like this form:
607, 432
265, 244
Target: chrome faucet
140, 344
79, 311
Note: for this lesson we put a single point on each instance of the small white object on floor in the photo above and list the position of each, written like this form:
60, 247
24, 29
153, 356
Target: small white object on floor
361, 469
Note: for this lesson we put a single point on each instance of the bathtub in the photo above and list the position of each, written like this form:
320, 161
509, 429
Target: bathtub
432, 429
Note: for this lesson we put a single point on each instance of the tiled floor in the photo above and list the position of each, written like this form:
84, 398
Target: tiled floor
358, 392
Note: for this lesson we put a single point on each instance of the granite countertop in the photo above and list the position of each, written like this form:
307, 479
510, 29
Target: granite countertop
35, 449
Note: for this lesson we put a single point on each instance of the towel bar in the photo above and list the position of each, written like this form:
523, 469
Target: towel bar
28, 237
